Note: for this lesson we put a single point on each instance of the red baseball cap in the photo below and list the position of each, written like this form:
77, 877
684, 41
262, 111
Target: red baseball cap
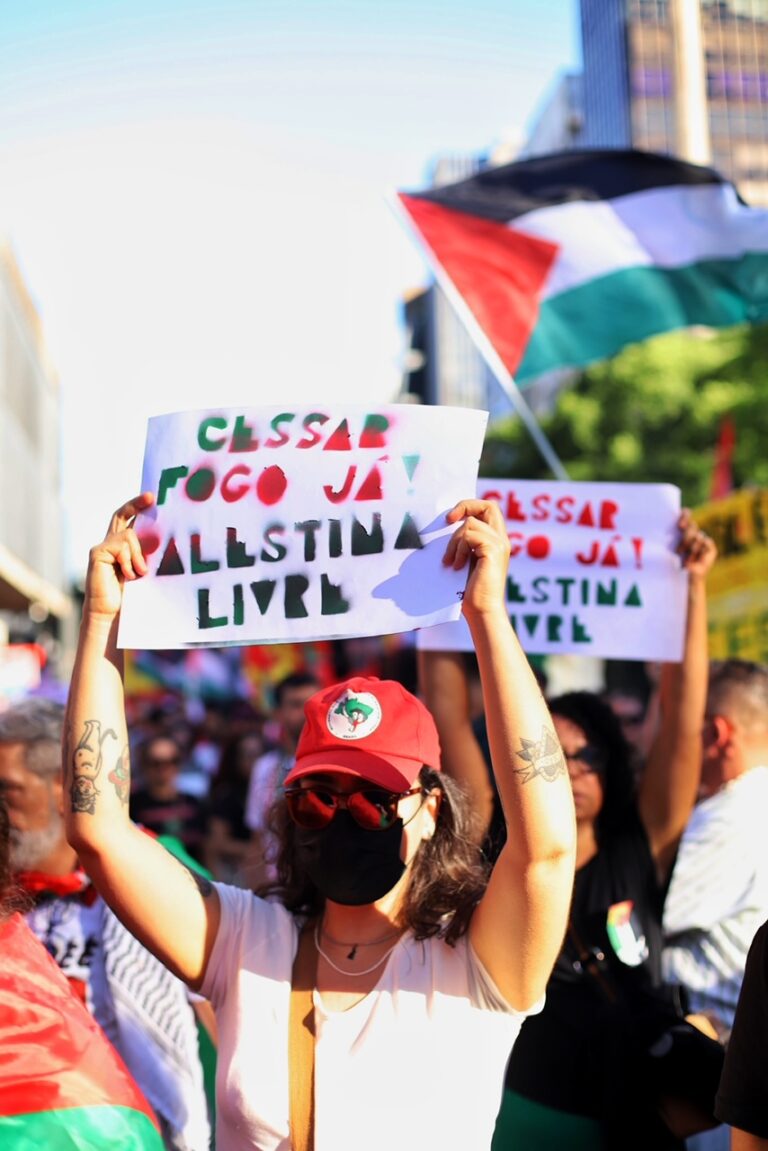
369, 727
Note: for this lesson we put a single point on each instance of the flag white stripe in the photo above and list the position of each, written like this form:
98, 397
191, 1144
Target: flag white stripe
667, 228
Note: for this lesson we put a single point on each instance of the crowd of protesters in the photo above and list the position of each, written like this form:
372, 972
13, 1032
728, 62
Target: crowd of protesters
619, 1015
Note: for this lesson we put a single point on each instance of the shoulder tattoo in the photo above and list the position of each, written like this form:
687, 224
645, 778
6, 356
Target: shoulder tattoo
203, 885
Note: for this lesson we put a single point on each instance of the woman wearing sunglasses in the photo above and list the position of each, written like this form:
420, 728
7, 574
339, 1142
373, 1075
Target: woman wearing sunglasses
421, 967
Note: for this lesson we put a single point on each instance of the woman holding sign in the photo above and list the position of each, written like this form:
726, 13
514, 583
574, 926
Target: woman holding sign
392, 960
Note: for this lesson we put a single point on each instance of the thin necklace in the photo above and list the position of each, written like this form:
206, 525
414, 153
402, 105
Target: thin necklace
354, 946
341, 970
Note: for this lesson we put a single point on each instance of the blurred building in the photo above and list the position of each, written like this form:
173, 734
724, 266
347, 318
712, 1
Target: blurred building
34, 600
651, 64
558, 122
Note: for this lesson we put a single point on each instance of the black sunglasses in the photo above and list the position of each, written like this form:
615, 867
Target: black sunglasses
372, 808
588, 759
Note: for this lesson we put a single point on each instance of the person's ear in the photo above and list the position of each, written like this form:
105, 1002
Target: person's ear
723, 732
432, 804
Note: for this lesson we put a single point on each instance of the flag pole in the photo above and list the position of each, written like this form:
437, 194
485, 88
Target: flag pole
502, 374
485, 347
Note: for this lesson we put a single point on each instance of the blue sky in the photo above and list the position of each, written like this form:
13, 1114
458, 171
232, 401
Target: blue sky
197, 195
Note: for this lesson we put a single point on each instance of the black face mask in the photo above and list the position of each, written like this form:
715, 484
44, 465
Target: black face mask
349, 864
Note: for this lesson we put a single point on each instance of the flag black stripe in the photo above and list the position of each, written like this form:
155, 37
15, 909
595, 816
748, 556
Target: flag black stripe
503, 193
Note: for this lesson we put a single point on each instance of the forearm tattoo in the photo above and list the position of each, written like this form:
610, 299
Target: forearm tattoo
87, 761
543, 757
120, 776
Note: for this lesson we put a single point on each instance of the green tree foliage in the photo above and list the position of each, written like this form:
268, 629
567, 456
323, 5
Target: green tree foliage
653, 414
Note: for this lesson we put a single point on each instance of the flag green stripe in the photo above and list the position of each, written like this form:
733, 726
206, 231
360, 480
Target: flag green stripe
80, 1129
596, 319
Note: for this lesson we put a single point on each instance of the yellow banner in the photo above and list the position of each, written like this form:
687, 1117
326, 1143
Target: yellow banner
738, 585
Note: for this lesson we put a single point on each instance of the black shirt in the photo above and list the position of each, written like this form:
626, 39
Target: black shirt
577, 1054
742, 1100
616, 910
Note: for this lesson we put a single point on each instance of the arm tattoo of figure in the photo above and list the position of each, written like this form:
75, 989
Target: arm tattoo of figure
120, 776
543, 757
86, 765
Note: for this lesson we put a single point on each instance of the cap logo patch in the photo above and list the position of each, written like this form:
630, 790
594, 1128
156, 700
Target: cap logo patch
354, 716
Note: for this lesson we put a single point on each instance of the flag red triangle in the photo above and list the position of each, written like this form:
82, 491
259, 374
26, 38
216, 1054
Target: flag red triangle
722, 472
498, 271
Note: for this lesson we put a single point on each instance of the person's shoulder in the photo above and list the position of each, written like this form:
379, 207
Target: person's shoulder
255, 945
430, 958
244, 905
734, 805
754, 782
453, 972
759, 945
263, 929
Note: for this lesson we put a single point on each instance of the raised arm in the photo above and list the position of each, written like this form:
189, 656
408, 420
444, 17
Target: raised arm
445, 690
174, 914
670, 777
517, 929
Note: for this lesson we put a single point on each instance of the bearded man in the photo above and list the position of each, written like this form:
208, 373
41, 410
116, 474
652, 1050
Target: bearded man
143, 1009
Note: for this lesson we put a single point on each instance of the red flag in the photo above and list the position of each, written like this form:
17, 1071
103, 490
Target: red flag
633, 257
498, 271
62, 1084
722, 472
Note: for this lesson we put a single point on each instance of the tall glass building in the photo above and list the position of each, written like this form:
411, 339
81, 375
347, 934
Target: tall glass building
35, 600
629, 50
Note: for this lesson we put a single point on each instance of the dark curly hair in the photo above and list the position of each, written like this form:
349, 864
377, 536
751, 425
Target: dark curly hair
602, 728
448, 875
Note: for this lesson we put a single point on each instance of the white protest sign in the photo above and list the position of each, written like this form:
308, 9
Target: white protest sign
277, 524
593, 570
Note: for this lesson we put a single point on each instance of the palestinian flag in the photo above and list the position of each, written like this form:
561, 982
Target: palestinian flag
564, 259
62, 1084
